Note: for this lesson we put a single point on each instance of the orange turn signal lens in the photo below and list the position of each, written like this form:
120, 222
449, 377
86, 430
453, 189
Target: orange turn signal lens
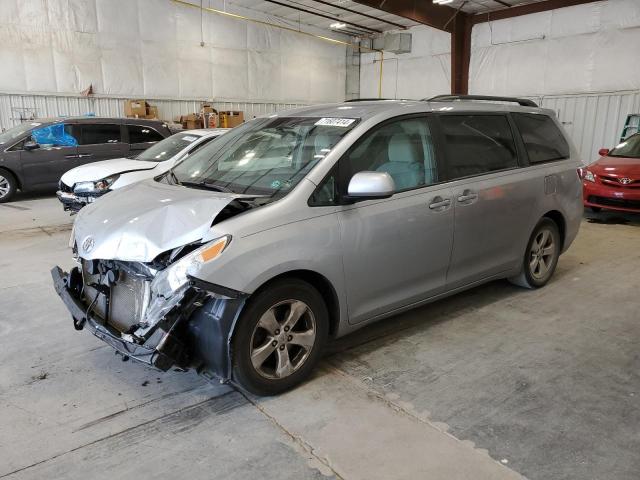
213, 250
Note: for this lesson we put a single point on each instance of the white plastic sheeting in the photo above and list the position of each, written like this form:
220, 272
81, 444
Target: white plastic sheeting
424, 72
581, 49
151, 49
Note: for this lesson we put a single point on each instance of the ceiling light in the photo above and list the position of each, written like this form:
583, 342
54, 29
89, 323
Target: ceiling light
337, 25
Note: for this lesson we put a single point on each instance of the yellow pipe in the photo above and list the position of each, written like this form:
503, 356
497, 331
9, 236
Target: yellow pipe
289, 29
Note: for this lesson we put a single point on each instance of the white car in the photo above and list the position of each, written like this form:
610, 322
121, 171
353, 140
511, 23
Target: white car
84, 184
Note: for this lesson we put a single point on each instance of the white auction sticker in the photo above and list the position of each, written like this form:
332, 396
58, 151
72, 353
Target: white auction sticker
335, 122
189, 138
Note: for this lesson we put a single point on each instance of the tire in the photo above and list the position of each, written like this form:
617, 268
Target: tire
538, 268
8, 186
269, 356
596, 209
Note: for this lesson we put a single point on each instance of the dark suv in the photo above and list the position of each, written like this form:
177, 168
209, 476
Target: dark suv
35, 154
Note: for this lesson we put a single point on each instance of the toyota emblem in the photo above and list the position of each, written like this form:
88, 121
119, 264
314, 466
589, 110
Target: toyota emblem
88, 243
625, 181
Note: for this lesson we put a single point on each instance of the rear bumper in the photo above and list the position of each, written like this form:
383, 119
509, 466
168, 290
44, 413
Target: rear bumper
620, 199
194, 334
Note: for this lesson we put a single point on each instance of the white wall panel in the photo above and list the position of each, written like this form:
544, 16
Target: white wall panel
13, 108
152, 49
593, 121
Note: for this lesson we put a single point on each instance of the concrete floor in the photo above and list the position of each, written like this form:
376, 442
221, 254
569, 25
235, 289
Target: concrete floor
494, 383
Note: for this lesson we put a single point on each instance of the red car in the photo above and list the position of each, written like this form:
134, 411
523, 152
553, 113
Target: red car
613, 181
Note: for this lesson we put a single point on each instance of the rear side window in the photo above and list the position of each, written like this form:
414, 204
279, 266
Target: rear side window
477, 144
92, 134
139, 134
542, 138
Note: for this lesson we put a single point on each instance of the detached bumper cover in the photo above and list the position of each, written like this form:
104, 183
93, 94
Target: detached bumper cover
195, 334
74, 202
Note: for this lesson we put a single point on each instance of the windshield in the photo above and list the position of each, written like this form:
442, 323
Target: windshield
14, 133
168, 148
629, 148
266, 156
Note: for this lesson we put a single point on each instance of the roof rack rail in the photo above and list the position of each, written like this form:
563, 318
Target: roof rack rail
525, 102
367, 100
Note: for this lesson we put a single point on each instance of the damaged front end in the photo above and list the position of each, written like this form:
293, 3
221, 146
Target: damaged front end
157, 312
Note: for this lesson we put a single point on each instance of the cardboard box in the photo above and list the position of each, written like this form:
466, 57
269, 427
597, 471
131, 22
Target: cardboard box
152, 112
135, 108
191, 121
230, 119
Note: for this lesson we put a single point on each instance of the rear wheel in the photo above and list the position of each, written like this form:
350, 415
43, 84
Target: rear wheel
279, 337
8, 186
541, 256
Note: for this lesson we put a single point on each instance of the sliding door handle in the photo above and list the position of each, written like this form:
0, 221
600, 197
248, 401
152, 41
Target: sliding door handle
439, 203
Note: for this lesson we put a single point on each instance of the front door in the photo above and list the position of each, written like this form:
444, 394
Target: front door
492, 196
57, 152
100, 141
396, 250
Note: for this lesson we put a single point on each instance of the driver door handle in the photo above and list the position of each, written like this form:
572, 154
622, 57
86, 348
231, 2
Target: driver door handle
83, 155
71, 156
439, 203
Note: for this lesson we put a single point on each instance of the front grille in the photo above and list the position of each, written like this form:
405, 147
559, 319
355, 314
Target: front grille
614, 182
614, 202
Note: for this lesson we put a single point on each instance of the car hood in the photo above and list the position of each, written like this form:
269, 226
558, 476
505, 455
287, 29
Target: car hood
617, 167
140, 221
99, 170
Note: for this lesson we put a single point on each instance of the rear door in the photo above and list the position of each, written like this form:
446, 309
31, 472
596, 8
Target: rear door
141, 137
492, 196
396, 250
100, 141
43, 166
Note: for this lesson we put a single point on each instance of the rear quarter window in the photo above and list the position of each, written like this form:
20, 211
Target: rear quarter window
543, 140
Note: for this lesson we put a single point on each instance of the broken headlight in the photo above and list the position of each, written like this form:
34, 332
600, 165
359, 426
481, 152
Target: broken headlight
95, 187
174, 276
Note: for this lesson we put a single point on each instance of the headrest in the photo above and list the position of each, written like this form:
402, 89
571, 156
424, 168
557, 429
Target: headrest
401, 149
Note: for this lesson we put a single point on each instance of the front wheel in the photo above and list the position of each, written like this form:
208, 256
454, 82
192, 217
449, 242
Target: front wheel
8, 186
280, 337
541, 256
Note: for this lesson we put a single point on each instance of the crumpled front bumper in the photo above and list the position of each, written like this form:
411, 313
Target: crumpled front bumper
195, 334
159, 351
71, 201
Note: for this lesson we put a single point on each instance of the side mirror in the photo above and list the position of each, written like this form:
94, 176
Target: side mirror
370, 185
31, 145
603, 152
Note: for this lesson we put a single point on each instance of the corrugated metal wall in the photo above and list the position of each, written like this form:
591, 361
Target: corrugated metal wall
593, 121
17, 108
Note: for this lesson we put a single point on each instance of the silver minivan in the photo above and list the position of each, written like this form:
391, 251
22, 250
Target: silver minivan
245, 259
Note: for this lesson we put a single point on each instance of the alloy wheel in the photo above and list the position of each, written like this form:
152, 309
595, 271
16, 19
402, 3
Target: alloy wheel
283, 339
5, 187
542, 253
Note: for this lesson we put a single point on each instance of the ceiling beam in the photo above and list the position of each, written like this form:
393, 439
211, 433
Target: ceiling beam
421, 11
527, 9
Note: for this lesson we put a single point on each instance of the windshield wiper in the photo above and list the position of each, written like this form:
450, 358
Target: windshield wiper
207, 186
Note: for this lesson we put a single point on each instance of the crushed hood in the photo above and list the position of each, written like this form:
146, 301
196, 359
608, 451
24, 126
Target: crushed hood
99, 170
140, 221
